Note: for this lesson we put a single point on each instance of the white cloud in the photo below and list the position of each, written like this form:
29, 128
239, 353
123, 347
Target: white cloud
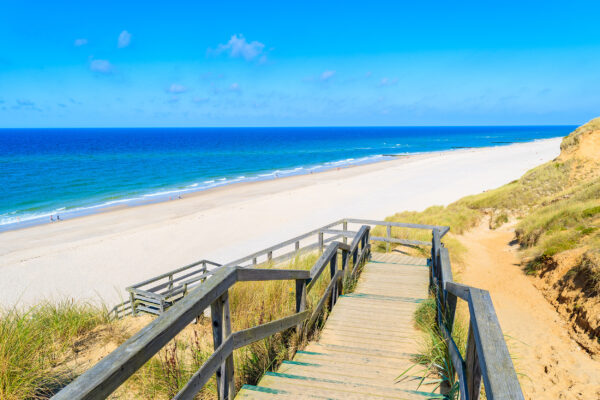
235, 87
176, 88
80, 42
326, 75
124, 39
101, 66
239, 47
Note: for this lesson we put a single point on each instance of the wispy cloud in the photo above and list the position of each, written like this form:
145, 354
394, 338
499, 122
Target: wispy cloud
327, 75
101, 66
235, 87
388, 81
25, 103
176, 88
239, 47
80, 42
124, 39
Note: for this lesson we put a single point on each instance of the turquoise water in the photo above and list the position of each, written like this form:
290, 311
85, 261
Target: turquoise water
71, 172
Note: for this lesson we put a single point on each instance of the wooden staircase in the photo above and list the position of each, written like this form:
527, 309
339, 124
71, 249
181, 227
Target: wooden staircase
367, 342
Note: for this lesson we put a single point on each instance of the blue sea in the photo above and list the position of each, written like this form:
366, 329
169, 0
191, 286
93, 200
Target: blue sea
73, 172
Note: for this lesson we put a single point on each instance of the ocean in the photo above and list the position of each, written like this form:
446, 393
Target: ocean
73, 172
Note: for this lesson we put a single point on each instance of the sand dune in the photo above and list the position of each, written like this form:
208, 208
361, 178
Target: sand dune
97, 256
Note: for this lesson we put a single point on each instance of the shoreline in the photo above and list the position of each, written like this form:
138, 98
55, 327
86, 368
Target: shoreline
170, 194
96, 256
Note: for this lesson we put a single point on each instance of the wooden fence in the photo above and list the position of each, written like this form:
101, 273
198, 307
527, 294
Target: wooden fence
114, 369
487, 356
157, 294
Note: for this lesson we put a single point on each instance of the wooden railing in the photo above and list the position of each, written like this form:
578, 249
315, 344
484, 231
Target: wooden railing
114, 369
486, 357
157, 294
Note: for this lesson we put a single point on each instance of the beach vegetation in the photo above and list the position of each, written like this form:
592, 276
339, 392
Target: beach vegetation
45, 347
36, 345
433, 356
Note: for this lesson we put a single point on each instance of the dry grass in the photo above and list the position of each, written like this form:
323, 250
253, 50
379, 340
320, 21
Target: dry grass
35, 344
42, 349
251, 304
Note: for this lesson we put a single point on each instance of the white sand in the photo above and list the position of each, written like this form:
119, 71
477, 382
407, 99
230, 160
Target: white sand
97, 256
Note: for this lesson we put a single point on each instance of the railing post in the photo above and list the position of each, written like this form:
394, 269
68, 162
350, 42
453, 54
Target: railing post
254, 261
333, 270
132, 299
473, 369
229, 384
300, 300
388, 236
321, 242
297, 245
269, 256
170, 282
221, 325
345, 228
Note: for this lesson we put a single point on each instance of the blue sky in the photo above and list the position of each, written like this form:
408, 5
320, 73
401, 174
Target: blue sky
93, 64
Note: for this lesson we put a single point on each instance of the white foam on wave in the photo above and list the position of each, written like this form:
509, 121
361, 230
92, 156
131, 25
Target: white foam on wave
13, 217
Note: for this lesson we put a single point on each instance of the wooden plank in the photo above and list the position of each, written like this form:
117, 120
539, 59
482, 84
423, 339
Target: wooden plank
144, 293
251, 335
148, 309
166, 274
216, 312
321, 303
321, 263
280, 245
114, 369
268, 274
473, 369
359, 237
400, 241
457, 361
143, 299
228, 377
458, 290
344, 233
388, 236
300, 299
445, 269
497, 370
156, 288
199, 379
397, 224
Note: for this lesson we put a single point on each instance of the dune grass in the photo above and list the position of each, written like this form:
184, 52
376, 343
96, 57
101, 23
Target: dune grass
251, 304
34, 343
38, 346
433, 355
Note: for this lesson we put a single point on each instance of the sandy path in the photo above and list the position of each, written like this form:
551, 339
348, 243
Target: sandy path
555, 367
100, 255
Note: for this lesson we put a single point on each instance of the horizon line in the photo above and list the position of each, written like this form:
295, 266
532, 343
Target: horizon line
290, 127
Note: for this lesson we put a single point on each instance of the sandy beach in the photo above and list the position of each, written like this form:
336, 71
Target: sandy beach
95, 257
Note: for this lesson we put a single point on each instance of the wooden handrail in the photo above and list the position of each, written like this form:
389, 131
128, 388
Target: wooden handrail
486, 357
443, 229
109, 373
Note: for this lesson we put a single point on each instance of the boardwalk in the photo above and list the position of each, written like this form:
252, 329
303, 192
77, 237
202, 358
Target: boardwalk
366, 343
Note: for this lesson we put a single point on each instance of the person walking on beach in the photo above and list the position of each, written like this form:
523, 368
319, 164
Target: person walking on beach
51, 218
57, 217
